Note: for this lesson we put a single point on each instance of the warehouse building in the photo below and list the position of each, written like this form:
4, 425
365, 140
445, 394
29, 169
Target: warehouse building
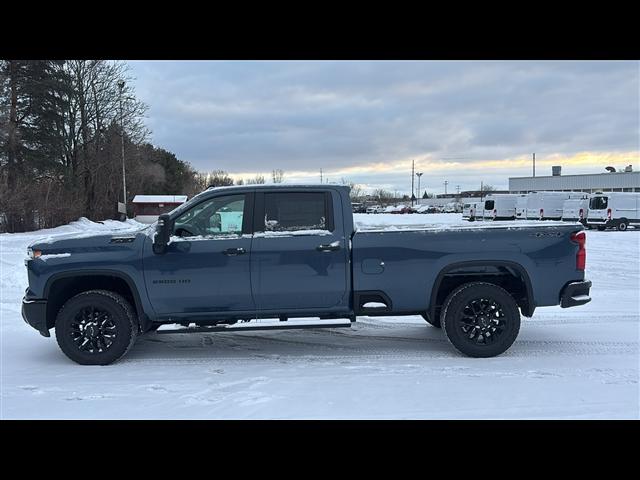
627, 181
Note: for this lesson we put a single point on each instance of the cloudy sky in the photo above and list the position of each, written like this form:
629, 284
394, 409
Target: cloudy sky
464, 122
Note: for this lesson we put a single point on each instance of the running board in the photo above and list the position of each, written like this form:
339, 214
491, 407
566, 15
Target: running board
255, 325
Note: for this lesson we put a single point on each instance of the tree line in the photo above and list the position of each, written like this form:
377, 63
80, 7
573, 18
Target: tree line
63, 124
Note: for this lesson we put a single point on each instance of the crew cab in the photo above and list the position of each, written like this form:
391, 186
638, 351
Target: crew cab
273, 256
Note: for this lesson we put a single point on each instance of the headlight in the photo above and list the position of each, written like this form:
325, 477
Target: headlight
33, 253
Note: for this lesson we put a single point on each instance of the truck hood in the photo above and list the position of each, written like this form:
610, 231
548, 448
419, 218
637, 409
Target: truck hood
90, 241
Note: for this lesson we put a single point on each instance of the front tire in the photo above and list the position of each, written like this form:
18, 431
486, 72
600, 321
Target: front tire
622, 226
96, 327
480, 319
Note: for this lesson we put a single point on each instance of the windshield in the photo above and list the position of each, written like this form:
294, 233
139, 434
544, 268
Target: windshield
598, 203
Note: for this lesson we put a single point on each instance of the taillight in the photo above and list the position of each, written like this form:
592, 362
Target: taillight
608, 214
581, 257
541, 212
495, 212
581, 214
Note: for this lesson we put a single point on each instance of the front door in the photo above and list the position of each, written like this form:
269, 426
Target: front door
299, 253
206, 266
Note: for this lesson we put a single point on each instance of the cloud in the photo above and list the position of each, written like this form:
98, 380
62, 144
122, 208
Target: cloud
366, 121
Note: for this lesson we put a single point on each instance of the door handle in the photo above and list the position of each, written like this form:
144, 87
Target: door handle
232, 252
330, 247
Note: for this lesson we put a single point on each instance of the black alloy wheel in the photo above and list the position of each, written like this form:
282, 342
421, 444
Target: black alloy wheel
96, 327
480, 319
93, 330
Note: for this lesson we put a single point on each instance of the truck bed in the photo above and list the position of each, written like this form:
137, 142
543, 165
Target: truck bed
406, 262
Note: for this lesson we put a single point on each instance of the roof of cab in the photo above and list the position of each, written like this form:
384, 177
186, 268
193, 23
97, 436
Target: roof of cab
284, 186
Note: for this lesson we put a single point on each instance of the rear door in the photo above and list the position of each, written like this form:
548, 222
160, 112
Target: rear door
299, 252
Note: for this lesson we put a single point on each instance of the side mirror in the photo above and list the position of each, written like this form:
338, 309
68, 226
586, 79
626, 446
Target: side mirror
163, 233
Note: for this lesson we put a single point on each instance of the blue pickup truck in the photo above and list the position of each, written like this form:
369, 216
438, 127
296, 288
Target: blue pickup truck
281, 253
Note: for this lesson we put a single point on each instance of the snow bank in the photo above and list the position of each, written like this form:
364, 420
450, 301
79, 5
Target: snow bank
567, 363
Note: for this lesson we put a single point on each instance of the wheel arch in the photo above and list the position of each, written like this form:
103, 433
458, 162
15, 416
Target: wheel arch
472, 271
64, 285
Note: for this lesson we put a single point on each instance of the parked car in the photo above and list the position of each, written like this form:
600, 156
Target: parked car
547, 205
400, 209
521, 206
469, 211
358, 208
616, 210
500, 207
375, 209
450, 208
576, 209
287, 252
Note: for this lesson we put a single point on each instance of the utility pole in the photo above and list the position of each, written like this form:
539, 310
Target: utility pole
413, 168
534, 164
321, 176
446, 182
419, 174
124, 177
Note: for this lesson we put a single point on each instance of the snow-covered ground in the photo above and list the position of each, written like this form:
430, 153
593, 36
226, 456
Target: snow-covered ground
581, 362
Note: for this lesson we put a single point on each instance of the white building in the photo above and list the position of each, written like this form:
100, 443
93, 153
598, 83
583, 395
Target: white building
606, 182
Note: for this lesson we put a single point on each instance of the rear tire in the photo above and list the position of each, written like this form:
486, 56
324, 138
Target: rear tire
434, 323
622, 226
96, 327
480, 319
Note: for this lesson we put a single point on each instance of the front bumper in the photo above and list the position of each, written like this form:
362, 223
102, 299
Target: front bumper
34, 313
575, 293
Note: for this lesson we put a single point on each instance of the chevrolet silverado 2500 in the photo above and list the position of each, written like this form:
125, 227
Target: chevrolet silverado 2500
281, 253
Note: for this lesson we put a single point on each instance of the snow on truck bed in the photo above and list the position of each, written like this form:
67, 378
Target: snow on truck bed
567, 363
363, 225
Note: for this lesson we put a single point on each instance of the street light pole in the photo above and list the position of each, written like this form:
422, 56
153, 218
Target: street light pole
418, 174
124, 178
413, 169
446, 182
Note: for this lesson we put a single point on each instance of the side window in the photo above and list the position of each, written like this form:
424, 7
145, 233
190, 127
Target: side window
217, 216
293, 211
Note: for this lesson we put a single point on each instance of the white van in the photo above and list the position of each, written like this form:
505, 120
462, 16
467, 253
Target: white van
614, 210
521, 206
576, 209
469, 211
548, 205
500, 207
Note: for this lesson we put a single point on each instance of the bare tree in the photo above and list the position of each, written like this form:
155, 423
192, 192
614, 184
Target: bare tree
257, 180
355, 190
277, 175
383, 196
217, 178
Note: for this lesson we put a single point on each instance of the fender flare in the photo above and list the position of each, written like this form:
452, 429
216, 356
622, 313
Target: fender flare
142, 315
478, 263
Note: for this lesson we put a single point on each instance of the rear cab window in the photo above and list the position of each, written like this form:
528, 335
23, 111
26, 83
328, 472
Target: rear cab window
297, 212
489, 205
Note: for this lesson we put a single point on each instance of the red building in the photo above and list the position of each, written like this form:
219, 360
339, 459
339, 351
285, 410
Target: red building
146, 208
